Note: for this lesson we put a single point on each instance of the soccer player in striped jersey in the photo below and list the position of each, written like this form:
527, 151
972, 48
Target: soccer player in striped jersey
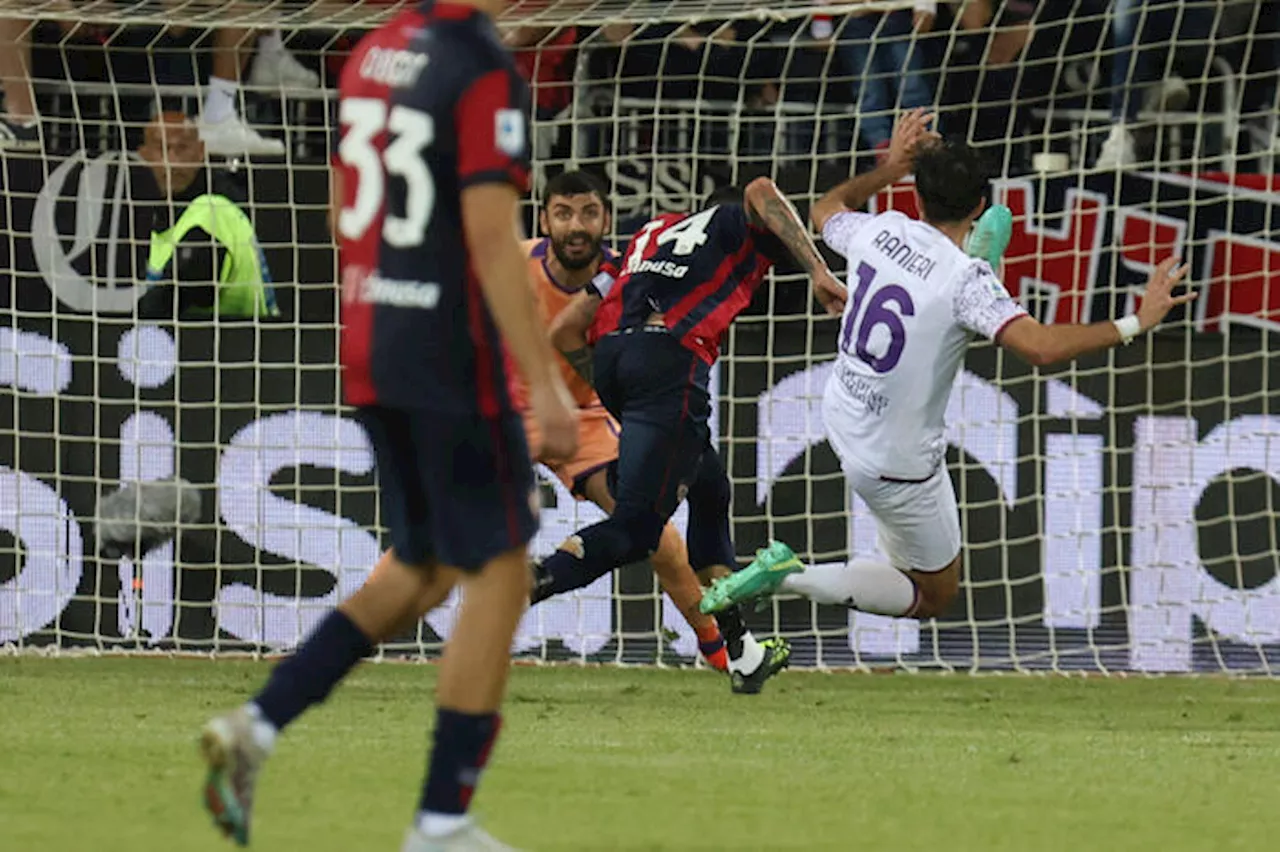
657, 334
574, 219
433, 158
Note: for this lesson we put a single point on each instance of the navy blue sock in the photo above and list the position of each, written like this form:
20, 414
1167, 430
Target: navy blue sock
307, 677
734, 628
463, 742
587, 556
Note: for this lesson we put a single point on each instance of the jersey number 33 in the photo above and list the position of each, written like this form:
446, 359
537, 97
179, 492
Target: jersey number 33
410, 133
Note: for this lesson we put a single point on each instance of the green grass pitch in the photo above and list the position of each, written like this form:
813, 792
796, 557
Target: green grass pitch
99, 754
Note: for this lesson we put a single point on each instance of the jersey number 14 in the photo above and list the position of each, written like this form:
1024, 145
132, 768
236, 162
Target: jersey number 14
411, 132
688, 234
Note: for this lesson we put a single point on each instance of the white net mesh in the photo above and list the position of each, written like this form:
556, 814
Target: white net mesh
1118, 513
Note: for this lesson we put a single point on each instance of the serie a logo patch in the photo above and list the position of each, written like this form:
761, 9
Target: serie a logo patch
509, 133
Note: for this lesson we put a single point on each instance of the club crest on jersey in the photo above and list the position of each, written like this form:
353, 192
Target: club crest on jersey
509, 132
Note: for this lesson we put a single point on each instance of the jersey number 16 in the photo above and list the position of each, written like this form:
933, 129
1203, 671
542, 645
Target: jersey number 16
410, 133
877, 313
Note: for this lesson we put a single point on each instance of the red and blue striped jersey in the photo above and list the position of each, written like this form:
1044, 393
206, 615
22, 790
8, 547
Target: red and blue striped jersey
699, 270
429, 105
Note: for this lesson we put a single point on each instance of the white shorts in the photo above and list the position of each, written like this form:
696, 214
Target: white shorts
918, 522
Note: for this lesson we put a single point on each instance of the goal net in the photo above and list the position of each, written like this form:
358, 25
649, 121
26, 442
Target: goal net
1118, 513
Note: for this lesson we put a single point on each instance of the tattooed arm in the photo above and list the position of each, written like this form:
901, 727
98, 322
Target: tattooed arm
768, 208
569, 332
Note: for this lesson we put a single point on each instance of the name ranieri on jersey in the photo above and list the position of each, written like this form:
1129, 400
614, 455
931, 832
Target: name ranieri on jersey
915, 262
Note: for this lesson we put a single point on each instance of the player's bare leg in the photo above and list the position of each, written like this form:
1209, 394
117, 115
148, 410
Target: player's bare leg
868, 585
431, 597
675, 575
235, 744
469, 692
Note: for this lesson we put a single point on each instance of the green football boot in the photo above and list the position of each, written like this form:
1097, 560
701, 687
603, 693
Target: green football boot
991, 235
759, 579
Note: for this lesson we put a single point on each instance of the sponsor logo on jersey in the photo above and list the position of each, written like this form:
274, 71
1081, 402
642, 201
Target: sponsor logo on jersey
861, 390
400, 294
665, 268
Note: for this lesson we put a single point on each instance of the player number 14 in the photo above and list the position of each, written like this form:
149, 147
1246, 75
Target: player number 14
411, 132
688, 234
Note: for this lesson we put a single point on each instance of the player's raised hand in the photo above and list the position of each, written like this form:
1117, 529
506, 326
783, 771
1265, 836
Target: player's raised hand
912, 129
557, 417
831, 294
1158, 299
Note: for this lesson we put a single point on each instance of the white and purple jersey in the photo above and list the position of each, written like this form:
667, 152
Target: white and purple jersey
915, 302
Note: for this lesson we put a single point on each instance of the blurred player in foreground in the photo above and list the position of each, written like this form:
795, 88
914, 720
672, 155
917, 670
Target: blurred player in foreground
656, 335
917, 301
432, 161
575, 219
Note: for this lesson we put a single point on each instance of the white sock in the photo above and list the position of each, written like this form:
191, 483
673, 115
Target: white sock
271, 42
751, 658
438, 825
263, 732
863, 584
220, 102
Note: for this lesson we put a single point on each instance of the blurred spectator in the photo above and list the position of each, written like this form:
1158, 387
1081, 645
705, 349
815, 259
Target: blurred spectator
1261, 95
204, 259
222, 129
546, 57
669, 63
1141, 32
881, 50
677, 61
792, 63
20, 125
988, 92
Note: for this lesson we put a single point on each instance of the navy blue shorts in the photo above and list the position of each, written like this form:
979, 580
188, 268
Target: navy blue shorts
455, 490
650, 384
658, 391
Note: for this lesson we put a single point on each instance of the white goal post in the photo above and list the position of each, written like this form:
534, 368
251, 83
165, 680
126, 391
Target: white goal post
1119, 513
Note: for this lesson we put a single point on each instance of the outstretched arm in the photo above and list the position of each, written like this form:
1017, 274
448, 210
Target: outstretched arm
768, 208
853, 194
1042, 345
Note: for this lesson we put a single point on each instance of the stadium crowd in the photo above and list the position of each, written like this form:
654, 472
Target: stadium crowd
993, 69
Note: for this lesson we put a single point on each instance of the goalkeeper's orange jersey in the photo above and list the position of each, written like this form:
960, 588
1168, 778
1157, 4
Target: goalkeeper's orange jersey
552, 299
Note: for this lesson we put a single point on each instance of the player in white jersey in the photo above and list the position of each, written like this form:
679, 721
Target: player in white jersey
916, 300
